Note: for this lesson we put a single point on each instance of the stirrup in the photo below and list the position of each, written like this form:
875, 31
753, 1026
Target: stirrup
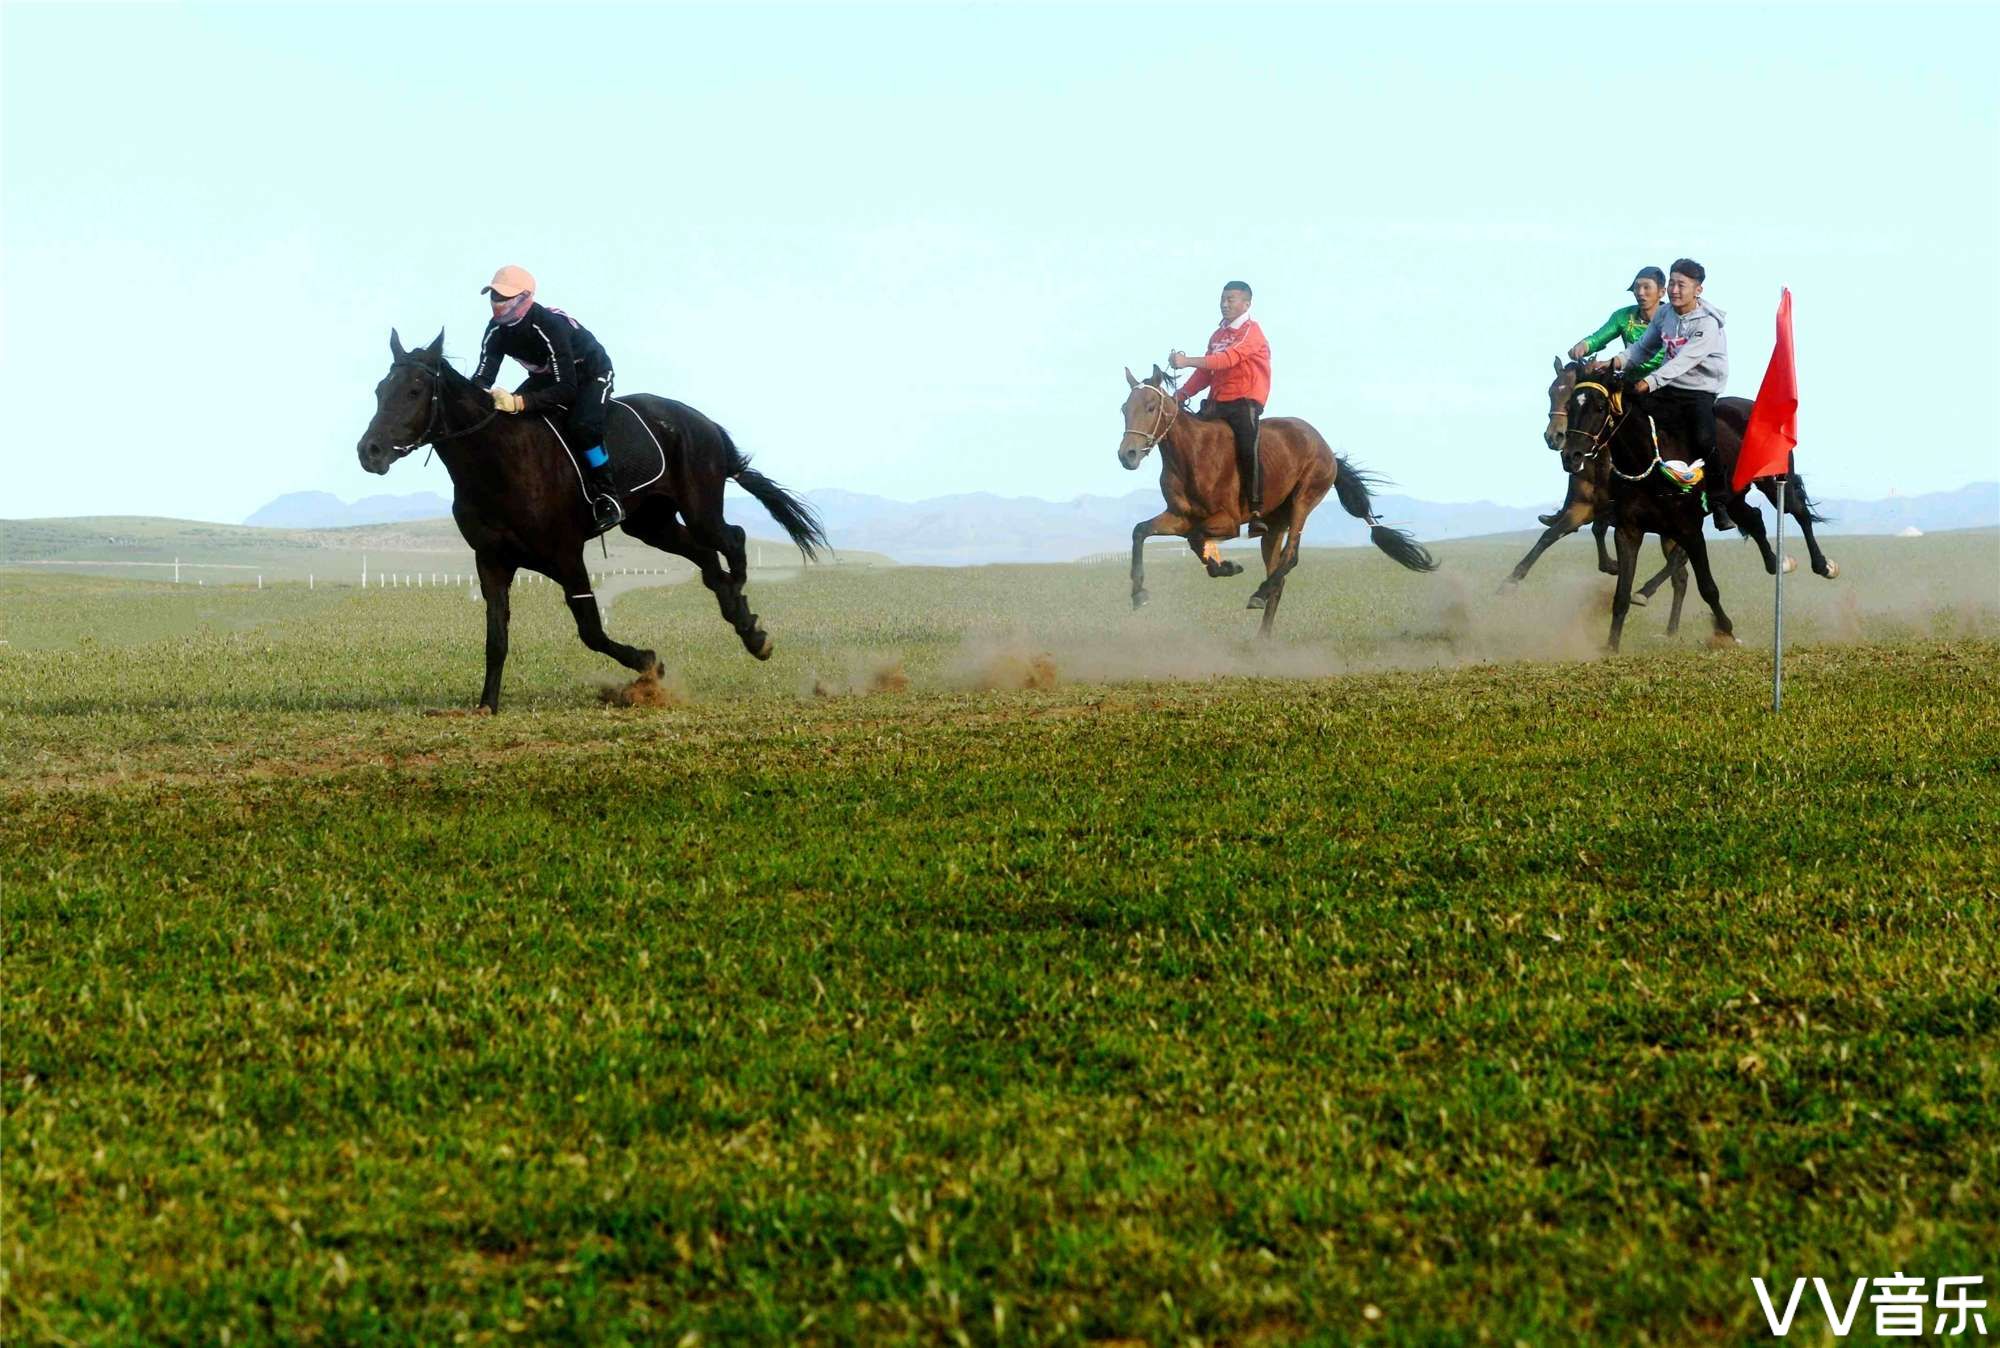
606, 513
1256, 527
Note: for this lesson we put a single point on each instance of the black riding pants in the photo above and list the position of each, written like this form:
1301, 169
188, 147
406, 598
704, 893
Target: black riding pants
1685, 419
1243, 415
583, 427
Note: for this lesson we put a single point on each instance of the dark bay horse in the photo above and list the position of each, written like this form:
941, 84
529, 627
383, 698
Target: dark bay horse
517, 497
1590, 492
1644, 497
1203, 492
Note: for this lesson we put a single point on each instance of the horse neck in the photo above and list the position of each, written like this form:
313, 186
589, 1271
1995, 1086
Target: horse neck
1635, 435
470, 458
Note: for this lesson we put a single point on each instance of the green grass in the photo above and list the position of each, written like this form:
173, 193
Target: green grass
1405, 981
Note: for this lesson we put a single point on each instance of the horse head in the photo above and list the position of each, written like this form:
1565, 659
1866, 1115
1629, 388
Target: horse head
1560, 389
1149, 410
405, 403
1591, 406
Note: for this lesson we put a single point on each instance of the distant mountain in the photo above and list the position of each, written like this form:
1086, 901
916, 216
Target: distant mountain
1973, 506
324, 510
981, 527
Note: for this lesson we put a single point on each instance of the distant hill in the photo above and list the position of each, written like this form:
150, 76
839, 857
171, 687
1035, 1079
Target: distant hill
324, 510
981, 527
145, 546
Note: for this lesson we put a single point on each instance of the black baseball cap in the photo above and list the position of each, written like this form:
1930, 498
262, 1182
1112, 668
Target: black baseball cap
1653, 274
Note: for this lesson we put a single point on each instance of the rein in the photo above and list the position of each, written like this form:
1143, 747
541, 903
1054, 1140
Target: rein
1165, 413
430, 435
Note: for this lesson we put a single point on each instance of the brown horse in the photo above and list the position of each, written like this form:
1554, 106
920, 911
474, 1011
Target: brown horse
1204, 495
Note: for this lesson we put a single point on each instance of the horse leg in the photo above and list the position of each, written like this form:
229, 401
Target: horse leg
574, 577
1210, 552
1165, 523
1652, 587
1629, 540
1676, 568
1573, 517
1749, 521
1696, 548
1799, 507
660, 529
1302, 506
1270, 543
1598, 526
495, 579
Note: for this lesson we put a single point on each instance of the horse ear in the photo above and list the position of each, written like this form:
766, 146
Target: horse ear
1559, 364
1131, 381
396, 345
437, 344
1159, 375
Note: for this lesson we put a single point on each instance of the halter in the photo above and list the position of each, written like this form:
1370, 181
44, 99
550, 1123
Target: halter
1164, 417
436, 418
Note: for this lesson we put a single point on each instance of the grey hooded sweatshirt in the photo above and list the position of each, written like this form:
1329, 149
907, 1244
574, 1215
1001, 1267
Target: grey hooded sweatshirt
1696, 346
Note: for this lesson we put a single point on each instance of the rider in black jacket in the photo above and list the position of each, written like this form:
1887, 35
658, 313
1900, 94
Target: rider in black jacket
569, 377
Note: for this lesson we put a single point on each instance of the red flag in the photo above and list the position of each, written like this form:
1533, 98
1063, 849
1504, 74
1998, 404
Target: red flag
1773, 431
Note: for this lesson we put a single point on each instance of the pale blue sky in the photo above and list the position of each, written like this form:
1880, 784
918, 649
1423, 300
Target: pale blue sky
906, 251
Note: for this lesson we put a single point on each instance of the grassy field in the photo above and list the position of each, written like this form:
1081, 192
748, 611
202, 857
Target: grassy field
997, 964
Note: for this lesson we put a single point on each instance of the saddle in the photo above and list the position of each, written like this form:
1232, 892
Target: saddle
636, 447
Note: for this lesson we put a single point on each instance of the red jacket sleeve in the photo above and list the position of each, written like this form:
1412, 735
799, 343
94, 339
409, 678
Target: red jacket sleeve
1194, 385
1253, 344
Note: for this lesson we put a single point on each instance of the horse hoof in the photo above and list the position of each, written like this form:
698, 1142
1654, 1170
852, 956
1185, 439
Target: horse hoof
1790, 565
1722, 641
1229, 569
762, 650
1256, 601
1832, 571
1638, 599
1606, 570
1139, 599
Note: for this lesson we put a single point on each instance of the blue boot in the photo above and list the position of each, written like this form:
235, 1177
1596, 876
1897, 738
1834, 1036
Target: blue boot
605, 511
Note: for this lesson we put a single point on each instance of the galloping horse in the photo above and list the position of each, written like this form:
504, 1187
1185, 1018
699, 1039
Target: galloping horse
1202, 488
518, 500
1647, 498
1590, 490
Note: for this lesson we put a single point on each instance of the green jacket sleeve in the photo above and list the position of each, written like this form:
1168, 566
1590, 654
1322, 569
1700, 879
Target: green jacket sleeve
1652, 362
1613, 326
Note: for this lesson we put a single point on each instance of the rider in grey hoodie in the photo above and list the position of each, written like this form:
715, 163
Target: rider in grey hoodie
1680, 395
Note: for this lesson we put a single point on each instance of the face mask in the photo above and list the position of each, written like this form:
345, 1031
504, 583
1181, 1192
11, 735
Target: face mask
514, 310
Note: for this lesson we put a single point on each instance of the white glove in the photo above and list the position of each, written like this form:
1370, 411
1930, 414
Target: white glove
505, 401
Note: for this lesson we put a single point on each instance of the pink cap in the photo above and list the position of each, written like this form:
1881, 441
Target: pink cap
509, 282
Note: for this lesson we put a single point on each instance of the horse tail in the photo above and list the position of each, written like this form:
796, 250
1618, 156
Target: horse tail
796, 517
1812, 511
1351, 485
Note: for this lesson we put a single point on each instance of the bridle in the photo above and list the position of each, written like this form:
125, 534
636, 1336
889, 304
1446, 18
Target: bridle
1165, 413
435, 432
1613, 420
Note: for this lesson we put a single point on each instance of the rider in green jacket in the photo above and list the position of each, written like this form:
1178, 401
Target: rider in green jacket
1630, 324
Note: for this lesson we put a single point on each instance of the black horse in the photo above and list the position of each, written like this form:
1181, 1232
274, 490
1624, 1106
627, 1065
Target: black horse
517, 495
1645, 498
1589, 488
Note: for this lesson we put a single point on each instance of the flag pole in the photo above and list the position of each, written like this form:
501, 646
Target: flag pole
1778, 622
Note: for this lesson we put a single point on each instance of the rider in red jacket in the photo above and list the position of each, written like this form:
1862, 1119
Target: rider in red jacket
1237, 373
